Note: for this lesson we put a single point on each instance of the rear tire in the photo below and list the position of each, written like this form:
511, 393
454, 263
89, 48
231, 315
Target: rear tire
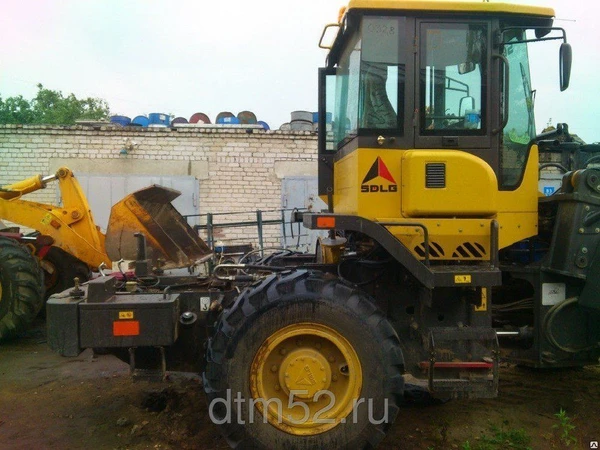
324, 317
21, 286
60, 268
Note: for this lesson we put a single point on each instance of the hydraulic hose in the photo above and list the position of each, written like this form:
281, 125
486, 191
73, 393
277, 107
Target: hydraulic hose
549, 320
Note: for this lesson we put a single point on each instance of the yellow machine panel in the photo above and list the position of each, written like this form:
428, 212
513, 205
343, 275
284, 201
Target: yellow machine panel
447, 183
367, 183
453, 194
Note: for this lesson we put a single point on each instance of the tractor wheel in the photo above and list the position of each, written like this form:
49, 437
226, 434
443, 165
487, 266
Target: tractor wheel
60, 268
21, 288
301, 361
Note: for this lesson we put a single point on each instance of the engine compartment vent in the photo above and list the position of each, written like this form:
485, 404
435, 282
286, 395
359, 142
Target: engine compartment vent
435, 175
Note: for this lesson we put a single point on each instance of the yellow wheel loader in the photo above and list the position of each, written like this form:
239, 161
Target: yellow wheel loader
442, 255
67, 244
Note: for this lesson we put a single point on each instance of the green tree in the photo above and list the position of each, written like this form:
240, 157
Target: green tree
53, 108
16, 110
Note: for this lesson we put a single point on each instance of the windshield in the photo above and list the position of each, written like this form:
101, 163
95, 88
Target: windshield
520, 129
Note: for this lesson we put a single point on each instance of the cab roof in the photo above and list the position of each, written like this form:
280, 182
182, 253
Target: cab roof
464, 6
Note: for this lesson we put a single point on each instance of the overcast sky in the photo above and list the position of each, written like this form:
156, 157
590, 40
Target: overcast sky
184, 56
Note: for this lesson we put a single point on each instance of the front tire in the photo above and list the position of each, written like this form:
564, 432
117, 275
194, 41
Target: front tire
21, 288
304, 339
60, 269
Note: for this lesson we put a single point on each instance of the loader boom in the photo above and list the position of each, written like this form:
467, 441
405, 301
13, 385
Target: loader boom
71, 226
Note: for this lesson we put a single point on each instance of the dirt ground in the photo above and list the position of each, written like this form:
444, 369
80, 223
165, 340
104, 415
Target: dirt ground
51, 402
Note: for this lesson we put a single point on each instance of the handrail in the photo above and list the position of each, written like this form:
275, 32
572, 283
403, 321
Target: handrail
414, 224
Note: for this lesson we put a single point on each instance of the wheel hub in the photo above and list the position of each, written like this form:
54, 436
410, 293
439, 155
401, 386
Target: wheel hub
305, 378
305, 370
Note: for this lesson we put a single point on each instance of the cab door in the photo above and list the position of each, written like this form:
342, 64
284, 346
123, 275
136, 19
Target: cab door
452, 88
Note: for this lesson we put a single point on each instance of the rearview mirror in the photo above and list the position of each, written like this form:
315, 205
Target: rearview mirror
565, 60
466, 67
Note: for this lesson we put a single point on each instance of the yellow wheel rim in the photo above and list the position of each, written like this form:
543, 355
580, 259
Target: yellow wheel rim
305, 364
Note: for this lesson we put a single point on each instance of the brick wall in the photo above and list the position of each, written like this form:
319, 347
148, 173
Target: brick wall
238, 170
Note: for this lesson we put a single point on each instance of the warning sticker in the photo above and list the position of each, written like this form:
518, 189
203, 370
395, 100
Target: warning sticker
483, 306
462, 279
125, 314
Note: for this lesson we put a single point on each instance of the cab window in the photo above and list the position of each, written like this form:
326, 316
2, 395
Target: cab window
370, 79
452, 78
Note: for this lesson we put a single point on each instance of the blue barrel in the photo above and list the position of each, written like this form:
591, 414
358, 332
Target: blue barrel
140, 121
159, 119
120, 120
232, 120
265, 125
328, 117
222, 115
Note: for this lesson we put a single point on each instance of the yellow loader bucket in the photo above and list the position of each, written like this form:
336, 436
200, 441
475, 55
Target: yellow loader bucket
169, 237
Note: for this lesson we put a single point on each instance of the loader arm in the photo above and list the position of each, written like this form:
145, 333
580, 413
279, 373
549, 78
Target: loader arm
71, 227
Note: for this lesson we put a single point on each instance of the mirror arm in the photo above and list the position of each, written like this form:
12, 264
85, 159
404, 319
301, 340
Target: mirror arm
563, 37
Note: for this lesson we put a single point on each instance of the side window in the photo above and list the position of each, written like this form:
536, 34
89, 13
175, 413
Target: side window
452, 78
346, 95
382, 74
370, 79
520, 129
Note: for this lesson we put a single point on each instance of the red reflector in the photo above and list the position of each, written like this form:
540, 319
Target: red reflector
325, 222
457, 365
126, 328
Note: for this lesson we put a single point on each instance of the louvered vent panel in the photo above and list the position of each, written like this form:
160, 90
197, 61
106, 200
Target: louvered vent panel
435, 175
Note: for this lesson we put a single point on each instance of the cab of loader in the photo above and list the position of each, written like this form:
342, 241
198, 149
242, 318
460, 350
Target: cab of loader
432, 77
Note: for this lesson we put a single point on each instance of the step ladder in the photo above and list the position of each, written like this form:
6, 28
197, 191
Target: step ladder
471, 377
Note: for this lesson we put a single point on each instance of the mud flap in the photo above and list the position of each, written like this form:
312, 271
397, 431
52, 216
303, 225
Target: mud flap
169, 236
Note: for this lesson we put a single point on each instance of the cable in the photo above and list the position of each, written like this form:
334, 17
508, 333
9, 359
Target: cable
547, 327
592, 160
258, 250
121, 261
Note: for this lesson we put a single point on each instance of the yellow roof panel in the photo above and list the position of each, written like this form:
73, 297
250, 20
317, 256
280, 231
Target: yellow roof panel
453, 6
